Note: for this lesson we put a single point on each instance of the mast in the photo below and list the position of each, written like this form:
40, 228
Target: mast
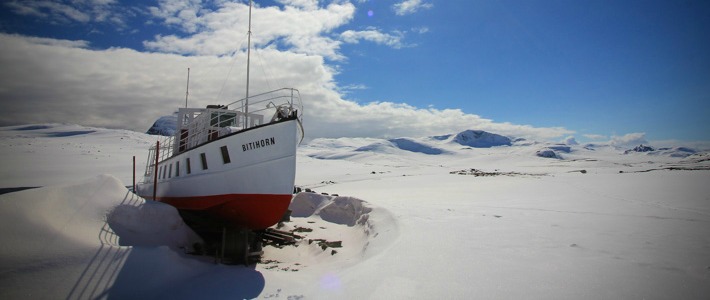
187, 89
246, 103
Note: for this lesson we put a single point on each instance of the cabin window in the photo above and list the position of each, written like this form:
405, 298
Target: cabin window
170, 171
177, 168
203, 157
187, 164
225, 155
223, 119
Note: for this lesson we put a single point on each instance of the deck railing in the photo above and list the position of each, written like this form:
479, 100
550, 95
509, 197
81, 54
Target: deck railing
270, 101
199, 125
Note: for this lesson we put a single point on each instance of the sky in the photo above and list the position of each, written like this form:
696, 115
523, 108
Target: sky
541, 69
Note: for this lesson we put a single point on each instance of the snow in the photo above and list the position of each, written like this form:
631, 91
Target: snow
548, 153
631, 225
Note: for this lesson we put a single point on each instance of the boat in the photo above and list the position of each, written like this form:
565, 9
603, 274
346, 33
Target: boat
233, 162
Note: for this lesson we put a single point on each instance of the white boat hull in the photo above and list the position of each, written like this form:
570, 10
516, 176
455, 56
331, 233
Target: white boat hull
252, 188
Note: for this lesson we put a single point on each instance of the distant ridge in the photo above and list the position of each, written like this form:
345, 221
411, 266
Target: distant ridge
406, 144
414, 146
671, 152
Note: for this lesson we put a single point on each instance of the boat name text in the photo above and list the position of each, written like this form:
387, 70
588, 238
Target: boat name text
258, 144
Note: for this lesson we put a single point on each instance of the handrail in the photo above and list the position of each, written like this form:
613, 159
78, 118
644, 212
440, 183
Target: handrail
205, 125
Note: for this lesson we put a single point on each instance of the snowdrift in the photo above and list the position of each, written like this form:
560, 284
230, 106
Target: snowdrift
358, 230
96, 239
68, 242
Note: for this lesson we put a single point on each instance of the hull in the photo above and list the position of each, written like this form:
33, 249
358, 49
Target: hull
245, 178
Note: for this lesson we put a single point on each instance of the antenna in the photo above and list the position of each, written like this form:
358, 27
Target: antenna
246, 101
187, 90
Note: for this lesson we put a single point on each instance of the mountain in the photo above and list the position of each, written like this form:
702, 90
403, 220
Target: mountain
640, 148
480, 139
669, 151
165, 125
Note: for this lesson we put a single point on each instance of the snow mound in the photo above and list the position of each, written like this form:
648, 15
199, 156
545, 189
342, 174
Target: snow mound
561, 148
406, 144
165, 125
340, 148
379, 147
414, 146
59, 242
336, 231
150, 223
548, 153
66, 216
340, 210
481, 139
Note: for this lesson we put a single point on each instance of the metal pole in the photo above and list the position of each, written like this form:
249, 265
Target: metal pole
134, 174
187, 90
155, 171
246, 106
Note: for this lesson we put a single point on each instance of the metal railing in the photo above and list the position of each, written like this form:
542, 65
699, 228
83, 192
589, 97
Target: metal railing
197, 126
286, 96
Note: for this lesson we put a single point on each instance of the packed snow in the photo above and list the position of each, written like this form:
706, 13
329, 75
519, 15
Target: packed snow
463, 215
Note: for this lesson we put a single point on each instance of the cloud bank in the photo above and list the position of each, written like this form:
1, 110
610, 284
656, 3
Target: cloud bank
49, 80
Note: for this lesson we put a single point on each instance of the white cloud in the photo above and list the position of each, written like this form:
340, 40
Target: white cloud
82, 11
373, 35
45, 81
304, 4
301, 26
410, 6
629, 140
420, 30
570, 140
55, 42
595, 137
178, 13
354, 87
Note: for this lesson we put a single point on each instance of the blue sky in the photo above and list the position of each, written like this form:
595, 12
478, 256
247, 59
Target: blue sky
594, 66
589, 69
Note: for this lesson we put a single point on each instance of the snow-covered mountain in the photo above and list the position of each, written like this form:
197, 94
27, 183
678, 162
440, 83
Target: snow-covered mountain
480, 139
476, 142
665, 151
165, 125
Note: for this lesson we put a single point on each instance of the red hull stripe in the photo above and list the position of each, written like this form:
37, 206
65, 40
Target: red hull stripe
253, 211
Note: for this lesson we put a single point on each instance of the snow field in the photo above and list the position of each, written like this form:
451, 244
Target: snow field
632, 225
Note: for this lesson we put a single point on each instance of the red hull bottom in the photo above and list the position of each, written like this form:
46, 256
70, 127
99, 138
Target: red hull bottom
252, 211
